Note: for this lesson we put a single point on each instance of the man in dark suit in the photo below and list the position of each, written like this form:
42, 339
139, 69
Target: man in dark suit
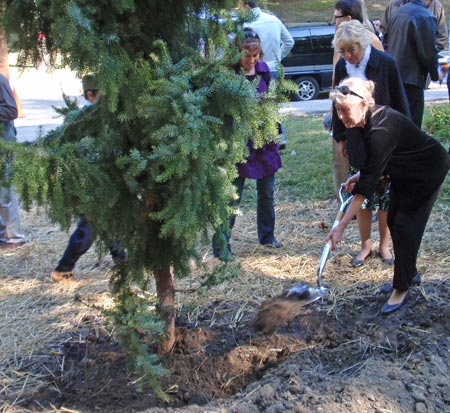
410, 37
434, 6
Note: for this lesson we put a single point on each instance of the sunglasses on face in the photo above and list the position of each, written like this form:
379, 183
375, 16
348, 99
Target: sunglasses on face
339, 16
345, 90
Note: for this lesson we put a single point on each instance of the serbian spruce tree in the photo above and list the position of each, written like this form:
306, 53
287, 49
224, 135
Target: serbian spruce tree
152, 163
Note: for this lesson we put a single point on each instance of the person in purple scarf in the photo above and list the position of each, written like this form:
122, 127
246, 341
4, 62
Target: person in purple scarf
261, 164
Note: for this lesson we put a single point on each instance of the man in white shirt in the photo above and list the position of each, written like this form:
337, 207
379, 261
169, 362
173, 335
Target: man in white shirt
276, 41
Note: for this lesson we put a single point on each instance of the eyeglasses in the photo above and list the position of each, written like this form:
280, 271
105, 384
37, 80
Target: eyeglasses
350, 50
345, 90
338, 17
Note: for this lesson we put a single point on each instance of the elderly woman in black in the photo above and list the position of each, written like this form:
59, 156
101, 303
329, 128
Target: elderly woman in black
416, 164
360, 59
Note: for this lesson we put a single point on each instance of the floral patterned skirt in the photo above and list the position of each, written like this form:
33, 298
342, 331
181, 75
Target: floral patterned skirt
380, 199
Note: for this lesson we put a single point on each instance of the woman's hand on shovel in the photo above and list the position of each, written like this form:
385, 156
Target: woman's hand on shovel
335, 236
349, 184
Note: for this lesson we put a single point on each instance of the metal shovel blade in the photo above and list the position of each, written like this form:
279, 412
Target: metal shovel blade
302, 292
315, 294
305, 294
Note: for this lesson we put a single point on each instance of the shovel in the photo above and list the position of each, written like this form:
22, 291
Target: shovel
280, 310
310, 294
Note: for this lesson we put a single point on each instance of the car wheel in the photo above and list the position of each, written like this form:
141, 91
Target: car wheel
308, 88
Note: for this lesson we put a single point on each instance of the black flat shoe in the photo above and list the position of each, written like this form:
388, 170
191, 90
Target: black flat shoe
389, 261
355, 263
273, 244
389, 309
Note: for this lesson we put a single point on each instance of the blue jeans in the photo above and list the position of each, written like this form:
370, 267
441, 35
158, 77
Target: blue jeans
80, 241
265, 214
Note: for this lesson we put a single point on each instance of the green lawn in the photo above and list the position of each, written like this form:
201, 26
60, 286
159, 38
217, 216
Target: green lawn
293, 12
307, 171
307, 167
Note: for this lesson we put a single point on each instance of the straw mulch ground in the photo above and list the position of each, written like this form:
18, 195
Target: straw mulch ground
57, 352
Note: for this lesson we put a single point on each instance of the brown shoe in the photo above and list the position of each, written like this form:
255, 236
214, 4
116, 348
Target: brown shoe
11, 246
63, 276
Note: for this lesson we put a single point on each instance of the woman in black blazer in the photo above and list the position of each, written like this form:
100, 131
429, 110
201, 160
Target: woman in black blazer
360, 59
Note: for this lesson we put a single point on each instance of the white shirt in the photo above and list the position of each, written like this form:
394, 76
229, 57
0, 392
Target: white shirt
276, 41
359, 70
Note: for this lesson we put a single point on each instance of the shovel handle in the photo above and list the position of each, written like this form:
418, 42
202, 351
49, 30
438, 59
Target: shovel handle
327, 248
338, 218
323, 260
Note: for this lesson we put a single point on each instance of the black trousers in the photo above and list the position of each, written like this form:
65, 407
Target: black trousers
407, 227
416, 99
80, 241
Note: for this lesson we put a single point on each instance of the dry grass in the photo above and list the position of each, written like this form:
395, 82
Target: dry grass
37, 316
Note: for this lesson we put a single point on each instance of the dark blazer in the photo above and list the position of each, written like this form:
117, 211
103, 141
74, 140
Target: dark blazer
389, 91
410, 37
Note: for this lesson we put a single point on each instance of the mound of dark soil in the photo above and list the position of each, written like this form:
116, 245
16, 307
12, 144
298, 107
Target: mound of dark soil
333, 357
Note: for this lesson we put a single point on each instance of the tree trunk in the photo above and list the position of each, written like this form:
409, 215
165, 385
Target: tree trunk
166, 301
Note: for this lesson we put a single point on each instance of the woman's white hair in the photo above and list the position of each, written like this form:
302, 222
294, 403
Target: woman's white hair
351, 32
363, 88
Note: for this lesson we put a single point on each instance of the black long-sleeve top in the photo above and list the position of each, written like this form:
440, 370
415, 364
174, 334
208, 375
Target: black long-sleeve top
416, 163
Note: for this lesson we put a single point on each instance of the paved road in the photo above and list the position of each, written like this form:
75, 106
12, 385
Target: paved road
435, 93
39, 90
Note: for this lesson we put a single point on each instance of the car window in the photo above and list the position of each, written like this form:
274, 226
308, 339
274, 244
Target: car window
303, 43
322, 43
310, 62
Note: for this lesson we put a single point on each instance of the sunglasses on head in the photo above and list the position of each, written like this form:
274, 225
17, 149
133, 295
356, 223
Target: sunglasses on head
345, 90
250, 35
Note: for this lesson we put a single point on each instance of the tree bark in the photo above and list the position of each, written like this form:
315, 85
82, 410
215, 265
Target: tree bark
166, 301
